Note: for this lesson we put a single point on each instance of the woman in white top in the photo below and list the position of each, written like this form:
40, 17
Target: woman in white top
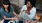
28, 11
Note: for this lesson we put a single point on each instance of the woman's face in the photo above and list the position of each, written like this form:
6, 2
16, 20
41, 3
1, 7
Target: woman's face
29, 4
5, 6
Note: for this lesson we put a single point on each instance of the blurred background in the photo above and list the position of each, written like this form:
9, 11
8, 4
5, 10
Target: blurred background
17, 4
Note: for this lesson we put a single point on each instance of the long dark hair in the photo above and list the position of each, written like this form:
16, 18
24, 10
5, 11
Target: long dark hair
6, 2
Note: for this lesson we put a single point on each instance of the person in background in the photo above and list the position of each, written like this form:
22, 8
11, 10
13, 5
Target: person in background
7, 12
28, 11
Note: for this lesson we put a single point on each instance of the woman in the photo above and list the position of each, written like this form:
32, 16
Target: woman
7, 12
28, 12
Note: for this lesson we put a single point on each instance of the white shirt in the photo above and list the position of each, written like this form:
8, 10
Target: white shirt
32, 11
24, 8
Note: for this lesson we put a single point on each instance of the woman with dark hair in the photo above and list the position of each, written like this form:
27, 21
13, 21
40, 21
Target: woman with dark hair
7, 11
28, 12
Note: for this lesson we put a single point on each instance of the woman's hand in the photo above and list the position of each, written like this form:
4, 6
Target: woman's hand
13, 19
27, 12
